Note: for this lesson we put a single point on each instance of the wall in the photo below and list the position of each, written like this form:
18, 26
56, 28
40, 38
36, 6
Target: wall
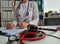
51, 5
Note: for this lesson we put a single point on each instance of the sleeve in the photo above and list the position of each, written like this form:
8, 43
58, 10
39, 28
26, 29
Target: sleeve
15, 19
35, 15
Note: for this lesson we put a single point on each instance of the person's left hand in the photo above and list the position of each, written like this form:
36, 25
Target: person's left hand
22, 25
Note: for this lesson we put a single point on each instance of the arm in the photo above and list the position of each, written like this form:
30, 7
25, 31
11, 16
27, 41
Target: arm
10, 25
35, 16
16, 12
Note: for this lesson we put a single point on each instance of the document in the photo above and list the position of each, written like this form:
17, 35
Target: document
13, 31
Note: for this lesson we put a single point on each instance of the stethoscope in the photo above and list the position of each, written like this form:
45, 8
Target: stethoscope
26, 14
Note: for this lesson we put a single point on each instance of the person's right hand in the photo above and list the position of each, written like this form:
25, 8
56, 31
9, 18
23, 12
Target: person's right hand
23, 25
10, 26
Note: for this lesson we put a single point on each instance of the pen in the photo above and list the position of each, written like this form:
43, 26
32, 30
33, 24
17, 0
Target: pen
24, 20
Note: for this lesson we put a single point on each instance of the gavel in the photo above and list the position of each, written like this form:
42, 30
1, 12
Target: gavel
34, 28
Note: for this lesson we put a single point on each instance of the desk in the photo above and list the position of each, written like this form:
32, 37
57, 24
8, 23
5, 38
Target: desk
47, 40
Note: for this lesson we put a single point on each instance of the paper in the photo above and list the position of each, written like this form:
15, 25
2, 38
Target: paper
13, 31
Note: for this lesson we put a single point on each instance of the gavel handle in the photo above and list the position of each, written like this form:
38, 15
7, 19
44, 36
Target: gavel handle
47, 29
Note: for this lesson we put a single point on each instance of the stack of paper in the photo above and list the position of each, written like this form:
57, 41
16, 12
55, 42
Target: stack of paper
13, 31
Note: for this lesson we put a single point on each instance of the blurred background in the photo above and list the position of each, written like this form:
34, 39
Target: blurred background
49, 11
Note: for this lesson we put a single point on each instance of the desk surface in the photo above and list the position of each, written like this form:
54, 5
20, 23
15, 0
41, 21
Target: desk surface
47, 40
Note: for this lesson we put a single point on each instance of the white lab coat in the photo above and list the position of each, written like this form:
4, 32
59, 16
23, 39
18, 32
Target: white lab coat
33, 16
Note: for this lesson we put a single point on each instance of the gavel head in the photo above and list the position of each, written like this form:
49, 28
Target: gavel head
32, 28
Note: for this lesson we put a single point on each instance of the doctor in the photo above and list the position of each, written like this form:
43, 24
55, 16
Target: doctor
26, 13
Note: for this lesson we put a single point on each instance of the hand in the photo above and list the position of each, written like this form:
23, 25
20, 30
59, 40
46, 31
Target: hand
10, 26
22, 25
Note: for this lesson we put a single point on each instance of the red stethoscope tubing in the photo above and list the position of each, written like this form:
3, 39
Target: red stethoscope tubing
31, 39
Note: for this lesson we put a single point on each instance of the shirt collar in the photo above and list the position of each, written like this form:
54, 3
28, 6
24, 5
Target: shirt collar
25, 3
